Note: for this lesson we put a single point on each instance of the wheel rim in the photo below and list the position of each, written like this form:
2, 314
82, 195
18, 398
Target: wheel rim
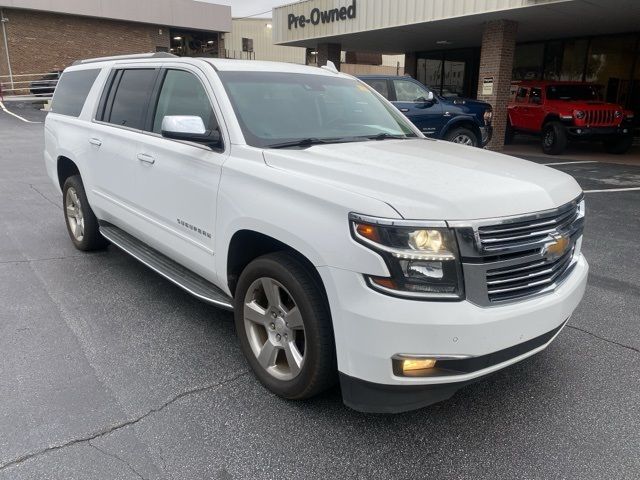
74, 214
275, 329
549, 138
463, 139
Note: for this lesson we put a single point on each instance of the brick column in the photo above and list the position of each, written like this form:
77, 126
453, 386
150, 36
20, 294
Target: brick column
329, 51
411, 64
496, 62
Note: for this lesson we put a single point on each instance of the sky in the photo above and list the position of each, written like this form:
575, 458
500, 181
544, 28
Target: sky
243, 8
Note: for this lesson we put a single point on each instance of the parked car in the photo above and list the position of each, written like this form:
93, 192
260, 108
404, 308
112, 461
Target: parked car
45, 85
563, 111
455, 119
346, 243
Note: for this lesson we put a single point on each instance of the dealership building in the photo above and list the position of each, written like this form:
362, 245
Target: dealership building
477, 48
40, 36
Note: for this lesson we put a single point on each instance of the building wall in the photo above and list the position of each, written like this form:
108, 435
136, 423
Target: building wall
263, 46
191, 14
40, 42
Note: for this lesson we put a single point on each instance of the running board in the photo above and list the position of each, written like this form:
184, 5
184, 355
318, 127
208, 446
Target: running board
169, 269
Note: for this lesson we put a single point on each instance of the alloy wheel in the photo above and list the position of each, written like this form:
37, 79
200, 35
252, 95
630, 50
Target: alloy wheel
275, 329
463, 139
74, 214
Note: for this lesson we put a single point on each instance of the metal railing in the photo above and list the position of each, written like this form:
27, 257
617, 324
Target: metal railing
27, 84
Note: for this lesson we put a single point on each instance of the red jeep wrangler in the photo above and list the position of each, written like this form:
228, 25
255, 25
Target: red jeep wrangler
561, 111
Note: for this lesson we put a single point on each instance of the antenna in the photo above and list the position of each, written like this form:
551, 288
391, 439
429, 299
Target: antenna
331, 67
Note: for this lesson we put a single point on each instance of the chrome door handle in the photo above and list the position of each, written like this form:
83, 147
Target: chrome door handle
95, 141
404, 110
143, 157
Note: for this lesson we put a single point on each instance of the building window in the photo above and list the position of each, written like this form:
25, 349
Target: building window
609, 64
527, 61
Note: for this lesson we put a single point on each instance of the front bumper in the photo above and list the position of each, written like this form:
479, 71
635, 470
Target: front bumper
486, 133
370, 328
577, 132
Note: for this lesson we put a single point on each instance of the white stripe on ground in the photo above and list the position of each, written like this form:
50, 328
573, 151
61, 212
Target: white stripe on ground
629, 189
570, 163
4, 109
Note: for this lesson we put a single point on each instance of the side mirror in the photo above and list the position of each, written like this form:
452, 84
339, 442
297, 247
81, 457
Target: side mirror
190, 128
430, 97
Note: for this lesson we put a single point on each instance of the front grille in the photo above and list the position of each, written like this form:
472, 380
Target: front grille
511, 259
526, 279
495, 238
600, 117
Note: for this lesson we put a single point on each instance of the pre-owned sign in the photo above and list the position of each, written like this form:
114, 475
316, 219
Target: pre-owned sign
317, 16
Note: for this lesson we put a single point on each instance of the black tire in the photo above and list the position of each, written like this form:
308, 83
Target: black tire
463, 136
318, 370
91, 239
509, 133
618, 145
554, 138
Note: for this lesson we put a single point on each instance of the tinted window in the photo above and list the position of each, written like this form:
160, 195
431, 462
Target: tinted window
407, 91
574, 92
380, 86
72, 91
183, 94
521, 96
130, 100
535, 96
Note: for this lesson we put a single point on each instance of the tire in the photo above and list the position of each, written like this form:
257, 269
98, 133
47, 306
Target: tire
554, 138
81, 222
462, 136
509, 133
618, 145
261, 330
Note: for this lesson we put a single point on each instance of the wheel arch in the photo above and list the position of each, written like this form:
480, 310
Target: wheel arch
246, 245
65, 168
465, 122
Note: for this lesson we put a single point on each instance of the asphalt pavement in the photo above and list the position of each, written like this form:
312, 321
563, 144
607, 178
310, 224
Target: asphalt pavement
108, 371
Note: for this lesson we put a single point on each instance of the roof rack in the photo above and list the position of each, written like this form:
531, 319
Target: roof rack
126, 57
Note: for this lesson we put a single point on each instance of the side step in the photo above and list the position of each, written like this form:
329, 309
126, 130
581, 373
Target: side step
169, 269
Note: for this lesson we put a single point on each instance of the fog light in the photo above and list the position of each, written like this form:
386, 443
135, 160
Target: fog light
413, 364
579, 131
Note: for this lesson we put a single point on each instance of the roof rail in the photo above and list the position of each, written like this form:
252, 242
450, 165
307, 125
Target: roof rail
126, 57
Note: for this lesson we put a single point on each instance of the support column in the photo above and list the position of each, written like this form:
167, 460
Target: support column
496, 65
329, 51
411, 64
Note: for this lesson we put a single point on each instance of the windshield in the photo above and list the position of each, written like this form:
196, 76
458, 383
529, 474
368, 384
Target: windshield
276, 108
574, 92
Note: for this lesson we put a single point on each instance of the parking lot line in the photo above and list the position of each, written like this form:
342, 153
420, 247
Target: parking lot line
570, 163
604, 190
4, 109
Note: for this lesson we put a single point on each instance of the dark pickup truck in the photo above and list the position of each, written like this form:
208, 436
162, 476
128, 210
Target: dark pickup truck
455, 119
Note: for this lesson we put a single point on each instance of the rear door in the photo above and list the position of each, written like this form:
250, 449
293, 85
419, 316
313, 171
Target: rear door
177, 181
410, 97
517, 109
114, 139
533, 111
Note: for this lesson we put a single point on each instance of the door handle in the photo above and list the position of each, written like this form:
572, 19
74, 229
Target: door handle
404, 110
95, 141
143, 157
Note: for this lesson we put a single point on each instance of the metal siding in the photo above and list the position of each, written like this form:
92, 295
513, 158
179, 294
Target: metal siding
378, 14
263, 45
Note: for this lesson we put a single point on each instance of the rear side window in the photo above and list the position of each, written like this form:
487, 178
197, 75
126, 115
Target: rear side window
127, 104
72, 91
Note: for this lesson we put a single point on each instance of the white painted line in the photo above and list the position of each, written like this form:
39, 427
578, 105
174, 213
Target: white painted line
571, 163
4, 109
629, 189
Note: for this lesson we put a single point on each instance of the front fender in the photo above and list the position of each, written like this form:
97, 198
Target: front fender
298, 211
463, 120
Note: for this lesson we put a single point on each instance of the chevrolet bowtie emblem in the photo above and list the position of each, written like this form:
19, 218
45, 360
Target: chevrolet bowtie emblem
557, 247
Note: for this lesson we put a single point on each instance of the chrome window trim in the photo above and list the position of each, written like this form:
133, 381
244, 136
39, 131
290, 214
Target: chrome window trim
397, 222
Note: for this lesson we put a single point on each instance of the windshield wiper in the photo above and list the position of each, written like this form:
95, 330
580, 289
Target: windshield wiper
386, 136
304, 142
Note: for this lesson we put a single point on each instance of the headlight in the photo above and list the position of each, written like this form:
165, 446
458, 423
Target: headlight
488, 117
579, 114
423, 259
618, 113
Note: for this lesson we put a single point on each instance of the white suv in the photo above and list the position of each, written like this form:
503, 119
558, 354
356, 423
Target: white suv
346, 243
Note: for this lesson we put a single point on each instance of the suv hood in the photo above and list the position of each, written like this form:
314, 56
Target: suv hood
432, 180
